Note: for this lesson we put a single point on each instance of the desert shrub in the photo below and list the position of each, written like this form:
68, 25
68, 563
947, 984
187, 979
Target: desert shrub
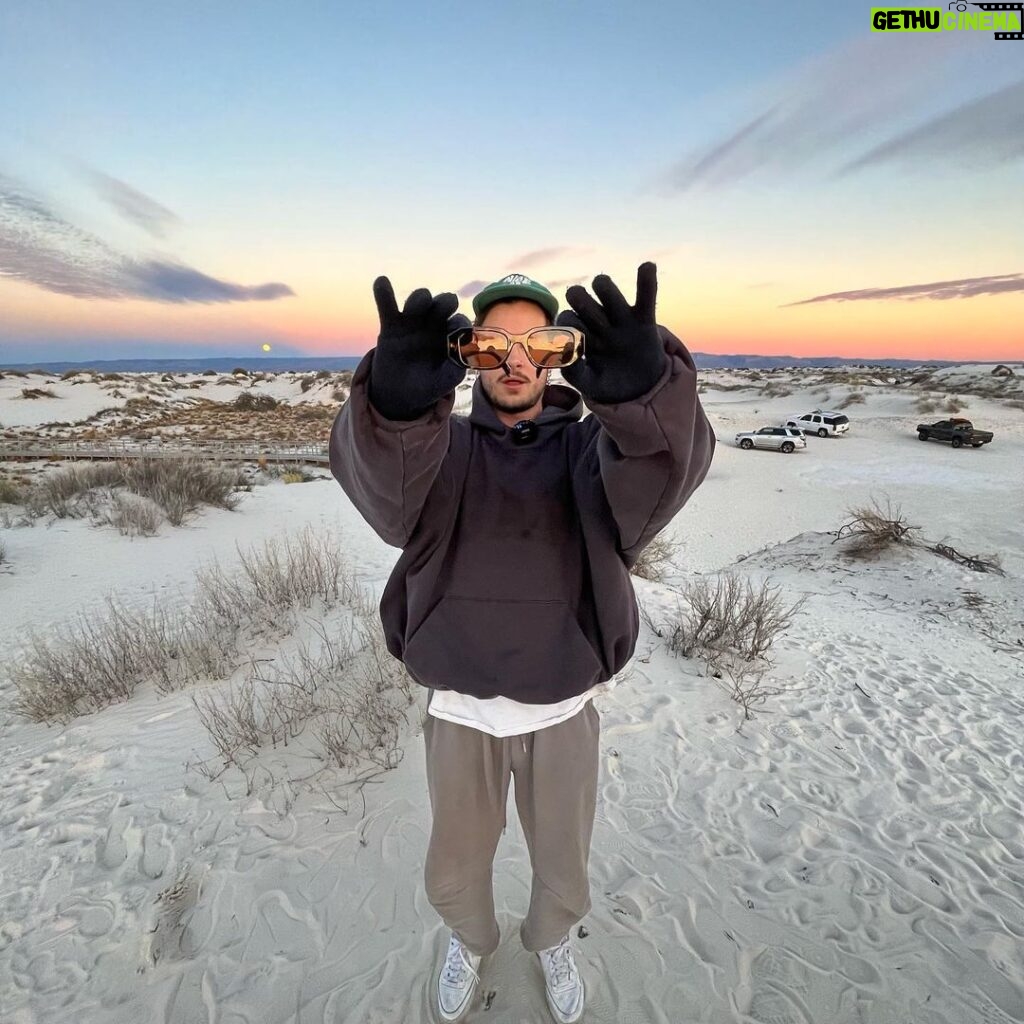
297, 476
3, 553
853, 398
871, 529
344, 379
1015, 403
926, 406
209, 373
347, 703
729, 621
322, 374
100, 660
10, 493
339, 395
776, 390
68, 374
239, 371
247, 402
306, 383
952, 405
178, 486
37, 393
134, 515
654, 560
111, 376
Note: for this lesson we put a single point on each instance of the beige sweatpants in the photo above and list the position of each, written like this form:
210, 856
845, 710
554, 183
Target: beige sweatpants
468, 773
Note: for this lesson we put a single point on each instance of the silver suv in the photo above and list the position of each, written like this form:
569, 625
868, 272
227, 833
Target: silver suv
820, 422
782, 439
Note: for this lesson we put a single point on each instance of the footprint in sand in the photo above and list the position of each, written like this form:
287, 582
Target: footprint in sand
156, 851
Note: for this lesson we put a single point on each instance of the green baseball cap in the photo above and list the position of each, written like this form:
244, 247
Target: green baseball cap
516, 286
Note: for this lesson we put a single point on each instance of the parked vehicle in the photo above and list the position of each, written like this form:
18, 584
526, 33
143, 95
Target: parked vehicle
782, 439
957, 432
820, 422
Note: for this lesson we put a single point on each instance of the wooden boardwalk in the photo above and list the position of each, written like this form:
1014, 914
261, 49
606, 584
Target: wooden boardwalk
219, 451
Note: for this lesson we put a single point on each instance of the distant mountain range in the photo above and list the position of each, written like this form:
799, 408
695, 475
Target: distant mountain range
704, 361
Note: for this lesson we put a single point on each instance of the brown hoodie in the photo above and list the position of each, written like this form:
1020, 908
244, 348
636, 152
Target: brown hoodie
514, 575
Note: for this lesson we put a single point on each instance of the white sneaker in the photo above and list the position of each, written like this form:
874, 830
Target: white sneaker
457, 981
562, 982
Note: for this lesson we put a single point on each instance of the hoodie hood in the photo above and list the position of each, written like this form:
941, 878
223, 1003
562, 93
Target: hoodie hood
561, 405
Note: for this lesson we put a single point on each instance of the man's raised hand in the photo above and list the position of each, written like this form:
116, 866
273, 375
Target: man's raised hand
624, 354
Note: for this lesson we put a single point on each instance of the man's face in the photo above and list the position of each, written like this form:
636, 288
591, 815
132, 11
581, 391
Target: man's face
516, 394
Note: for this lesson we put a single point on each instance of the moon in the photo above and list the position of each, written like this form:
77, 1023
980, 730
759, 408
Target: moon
266, 347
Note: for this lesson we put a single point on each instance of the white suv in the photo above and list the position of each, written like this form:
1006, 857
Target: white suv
782, 439
820, 422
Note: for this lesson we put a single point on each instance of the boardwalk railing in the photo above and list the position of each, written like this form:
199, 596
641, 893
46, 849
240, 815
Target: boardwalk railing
227, 451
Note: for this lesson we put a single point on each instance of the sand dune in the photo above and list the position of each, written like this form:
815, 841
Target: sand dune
855, 853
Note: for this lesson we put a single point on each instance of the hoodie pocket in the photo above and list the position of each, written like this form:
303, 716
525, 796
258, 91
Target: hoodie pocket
530, 651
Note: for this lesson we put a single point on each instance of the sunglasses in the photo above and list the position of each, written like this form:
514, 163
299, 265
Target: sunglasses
487, 348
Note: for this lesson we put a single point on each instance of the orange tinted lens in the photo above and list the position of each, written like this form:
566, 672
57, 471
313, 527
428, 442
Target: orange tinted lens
483, 349
552, 347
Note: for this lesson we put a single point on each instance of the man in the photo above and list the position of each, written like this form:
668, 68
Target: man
512, 600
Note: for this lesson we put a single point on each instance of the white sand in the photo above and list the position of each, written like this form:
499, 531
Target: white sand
854, 854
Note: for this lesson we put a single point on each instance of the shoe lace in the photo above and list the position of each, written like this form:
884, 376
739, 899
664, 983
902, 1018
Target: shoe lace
561, 963
456, 964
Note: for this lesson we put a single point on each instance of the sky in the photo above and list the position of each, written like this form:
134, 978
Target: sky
200, 179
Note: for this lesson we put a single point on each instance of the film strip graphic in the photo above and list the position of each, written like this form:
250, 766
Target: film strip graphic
1018, 7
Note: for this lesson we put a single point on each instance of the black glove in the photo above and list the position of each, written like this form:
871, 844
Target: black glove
411, 369
625, 356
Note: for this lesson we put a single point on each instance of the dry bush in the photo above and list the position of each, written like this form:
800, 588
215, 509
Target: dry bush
10, 493
3, 553
306, 383
239, 371
732, 625
339, 395
871, 529
926, 406
37, 393
730, 618
134, 515
98, 661
178, 486
346, 703
655, 560
1015, 403
247, 402
953, 405
777, 390
853, 398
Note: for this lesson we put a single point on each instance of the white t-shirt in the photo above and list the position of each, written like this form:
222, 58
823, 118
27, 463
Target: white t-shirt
500, 716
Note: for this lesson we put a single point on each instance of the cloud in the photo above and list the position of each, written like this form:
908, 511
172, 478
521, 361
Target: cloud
470, 288
41, 248
133, 205
965, 288
986, 131
538, 256
869, 102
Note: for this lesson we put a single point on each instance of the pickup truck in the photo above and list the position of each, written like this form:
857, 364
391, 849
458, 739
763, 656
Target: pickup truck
956, 432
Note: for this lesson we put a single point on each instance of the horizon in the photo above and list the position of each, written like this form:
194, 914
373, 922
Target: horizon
804, 184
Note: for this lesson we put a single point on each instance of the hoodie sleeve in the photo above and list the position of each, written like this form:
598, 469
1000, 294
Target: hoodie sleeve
387, 467
654, 451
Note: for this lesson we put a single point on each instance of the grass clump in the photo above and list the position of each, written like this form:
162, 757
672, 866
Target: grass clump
101, 660
178, 487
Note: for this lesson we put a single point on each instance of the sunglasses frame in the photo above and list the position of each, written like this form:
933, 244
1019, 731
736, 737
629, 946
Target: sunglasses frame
455, 355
